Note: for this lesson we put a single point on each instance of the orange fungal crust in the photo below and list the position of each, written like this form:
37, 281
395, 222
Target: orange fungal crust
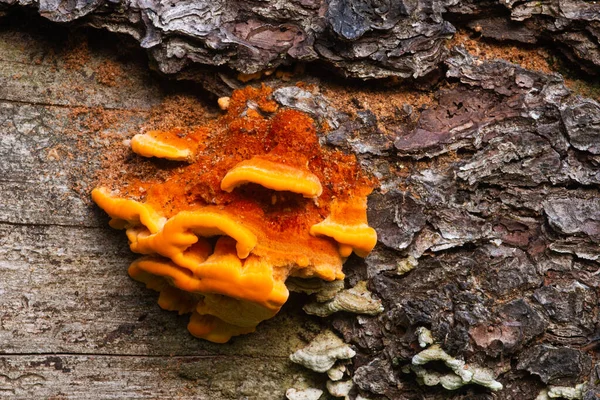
258, 200
213, 329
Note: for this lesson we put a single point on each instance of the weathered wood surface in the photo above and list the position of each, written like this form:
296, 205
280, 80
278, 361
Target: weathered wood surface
72, 323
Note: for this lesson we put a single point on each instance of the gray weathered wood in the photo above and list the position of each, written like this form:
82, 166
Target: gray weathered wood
143, 377
72, 323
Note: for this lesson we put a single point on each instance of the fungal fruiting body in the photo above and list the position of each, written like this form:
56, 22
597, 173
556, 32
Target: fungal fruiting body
243, 203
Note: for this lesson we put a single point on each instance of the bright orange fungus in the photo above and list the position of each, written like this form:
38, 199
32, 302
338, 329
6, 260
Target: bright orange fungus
243, 203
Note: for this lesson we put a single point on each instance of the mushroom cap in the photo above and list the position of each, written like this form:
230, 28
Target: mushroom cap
147, 145
273, 175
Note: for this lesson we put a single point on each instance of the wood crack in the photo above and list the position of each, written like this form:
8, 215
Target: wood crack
72, 106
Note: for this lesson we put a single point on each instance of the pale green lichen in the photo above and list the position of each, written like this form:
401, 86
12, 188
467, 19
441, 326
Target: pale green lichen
322, 353
336, 372
543, 395
356, 300
406, 264
340, 388
323, 291
462, 374
424, 336
563, 392
425, 377
303, 394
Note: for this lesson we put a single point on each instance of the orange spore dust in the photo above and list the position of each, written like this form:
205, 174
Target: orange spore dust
256, 179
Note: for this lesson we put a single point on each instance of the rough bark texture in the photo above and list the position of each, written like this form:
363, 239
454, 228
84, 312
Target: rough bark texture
363, 39
498, 203
491, 192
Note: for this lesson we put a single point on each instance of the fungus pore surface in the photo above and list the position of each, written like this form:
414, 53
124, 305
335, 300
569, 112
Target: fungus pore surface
236, 207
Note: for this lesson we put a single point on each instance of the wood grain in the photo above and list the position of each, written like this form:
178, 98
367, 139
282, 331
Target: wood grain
72, 323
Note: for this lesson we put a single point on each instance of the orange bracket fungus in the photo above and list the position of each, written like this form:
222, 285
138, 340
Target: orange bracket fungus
241, 204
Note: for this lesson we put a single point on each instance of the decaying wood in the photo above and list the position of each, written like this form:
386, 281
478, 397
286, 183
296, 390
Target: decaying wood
72, 323
489, 193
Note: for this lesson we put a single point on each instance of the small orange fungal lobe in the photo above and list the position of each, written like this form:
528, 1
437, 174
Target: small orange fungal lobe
213, 329
359, 238
147, 145
272, 175
257, 201
223, 102
173, 299
345, 249
347, 225
249, 77
126, 212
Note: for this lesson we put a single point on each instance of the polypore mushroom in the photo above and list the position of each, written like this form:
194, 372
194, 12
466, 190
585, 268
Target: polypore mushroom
274, 176
323, 352
461, 373
258, 201
124, 212
356, 300
347, 224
